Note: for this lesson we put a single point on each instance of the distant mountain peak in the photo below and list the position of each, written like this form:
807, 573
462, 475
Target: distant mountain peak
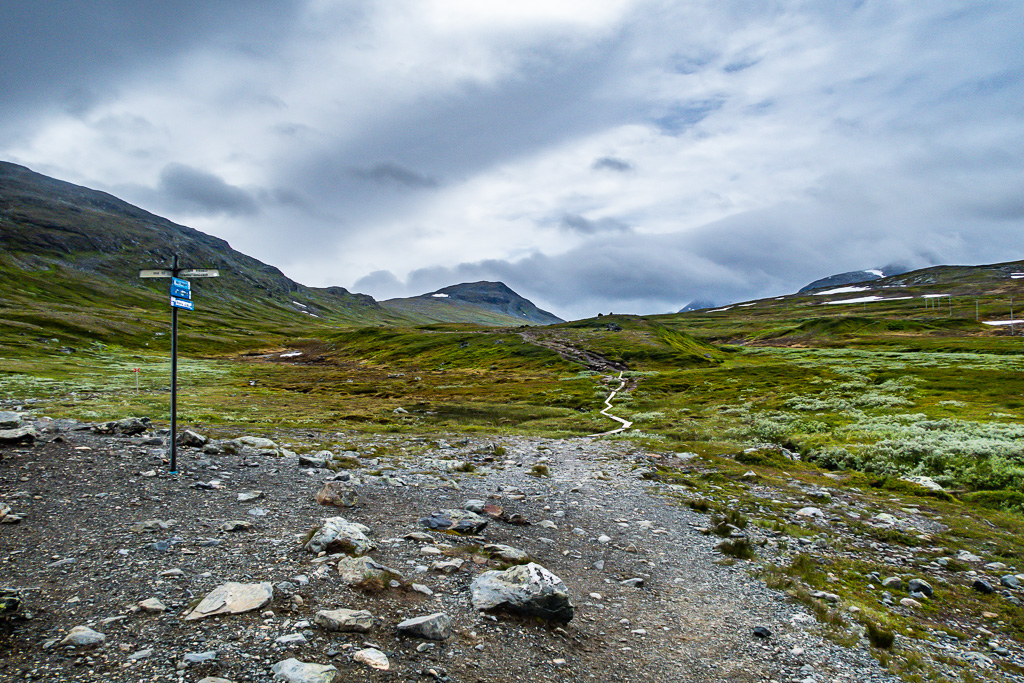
457, 302
854, 277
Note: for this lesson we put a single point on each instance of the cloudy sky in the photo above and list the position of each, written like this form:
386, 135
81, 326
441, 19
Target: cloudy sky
595, 155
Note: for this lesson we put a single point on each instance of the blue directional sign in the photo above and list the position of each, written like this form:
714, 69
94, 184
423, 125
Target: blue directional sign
182, 303
180, 293
181, 284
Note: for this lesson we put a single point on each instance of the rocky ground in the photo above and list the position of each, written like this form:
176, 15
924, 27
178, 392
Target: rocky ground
106, 538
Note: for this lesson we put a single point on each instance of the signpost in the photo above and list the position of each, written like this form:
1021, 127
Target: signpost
181, 297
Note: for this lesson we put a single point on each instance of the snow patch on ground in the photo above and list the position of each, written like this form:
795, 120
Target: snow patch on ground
841, 290
867, 299
299, 305
1018, 321
439, 296
719, 310
1017, 276
745, 305
291, 354
874, 272
934, 296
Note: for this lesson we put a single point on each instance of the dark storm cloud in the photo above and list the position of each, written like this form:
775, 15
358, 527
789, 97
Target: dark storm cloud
72, 54
611, 164
578, 224
454, 135
390, 173
203, 193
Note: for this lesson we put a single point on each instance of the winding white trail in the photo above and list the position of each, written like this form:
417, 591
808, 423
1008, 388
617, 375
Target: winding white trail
626, 424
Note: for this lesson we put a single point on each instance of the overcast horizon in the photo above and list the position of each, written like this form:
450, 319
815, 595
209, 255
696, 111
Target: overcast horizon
625, 155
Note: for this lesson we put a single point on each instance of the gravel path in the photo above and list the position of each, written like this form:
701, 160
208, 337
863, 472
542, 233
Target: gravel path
592, 522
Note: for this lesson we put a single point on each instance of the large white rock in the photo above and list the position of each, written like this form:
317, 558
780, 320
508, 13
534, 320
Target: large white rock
257, 442
926, 482
233, 598
83, 636
372, 657
337, 534
525, 589
294, 671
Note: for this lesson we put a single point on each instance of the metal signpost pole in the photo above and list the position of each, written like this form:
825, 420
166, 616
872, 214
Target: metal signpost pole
174, 377
181, 297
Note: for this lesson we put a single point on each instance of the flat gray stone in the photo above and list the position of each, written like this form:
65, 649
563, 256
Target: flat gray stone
458, 521
9, 420
233, 598
293, 671
431, 627
344, 620
26, 434
506, 553
83, 636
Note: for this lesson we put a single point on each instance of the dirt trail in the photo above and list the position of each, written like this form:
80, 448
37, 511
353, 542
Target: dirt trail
593, 361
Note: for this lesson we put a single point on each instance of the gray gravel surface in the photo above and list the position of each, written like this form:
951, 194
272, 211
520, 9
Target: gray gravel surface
592, 522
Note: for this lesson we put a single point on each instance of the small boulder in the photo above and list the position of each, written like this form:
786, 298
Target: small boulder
21, 435
810, 512
152, 605
364, 573
921, 586
528, 589
314, 461
293, 671
458, 521
337, 534
83, 636
236, 525
506, 553
9, 420
983, 586
1010, 581
432, 627
130, 426
191, 439
338, 494
344, 620
373, 658
762, 632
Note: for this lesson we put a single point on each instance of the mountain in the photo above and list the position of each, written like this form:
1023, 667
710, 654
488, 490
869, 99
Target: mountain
71, 256
854, 277
489, 303
697, 305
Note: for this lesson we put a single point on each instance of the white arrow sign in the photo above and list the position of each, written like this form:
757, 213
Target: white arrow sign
198, 272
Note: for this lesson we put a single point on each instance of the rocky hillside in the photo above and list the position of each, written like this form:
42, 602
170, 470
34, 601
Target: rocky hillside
50, 224
492, 303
